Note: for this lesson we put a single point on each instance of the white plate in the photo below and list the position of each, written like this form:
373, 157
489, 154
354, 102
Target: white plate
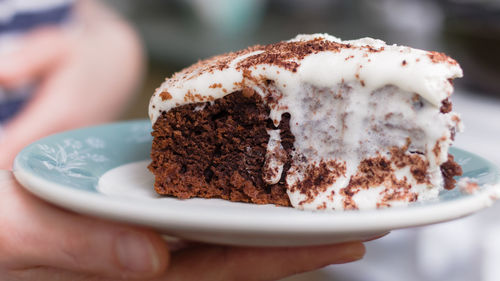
101, 171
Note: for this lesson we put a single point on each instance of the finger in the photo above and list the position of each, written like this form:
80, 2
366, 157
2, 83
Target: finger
37, 52
50, 274
35, 233
231, 263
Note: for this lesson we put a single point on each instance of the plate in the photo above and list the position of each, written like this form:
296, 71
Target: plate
101, 171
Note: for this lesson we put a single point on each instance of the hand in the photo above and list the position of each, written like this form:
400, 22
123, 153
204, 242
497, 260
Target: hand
41, 242
86, 73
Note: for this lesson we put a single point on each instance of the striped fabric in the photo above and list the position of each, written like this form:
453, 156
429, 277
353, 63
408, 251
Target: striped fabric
16, 18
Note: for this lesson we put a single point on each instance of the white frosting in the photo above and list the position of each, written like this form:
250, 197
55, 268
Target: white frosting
324, 69
322, 133
273, 166
338, 102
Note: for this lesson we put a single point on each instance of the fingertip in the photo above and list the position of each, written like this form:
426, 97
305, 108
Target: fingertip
347, 252
358, 251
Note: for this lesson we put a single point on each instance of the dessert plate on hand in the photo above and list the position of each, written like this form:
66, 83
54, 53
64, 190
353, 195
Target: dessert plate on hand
101, 171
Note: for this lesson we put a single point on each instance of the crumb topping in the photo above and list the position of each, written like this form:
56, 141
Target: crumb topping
363, 59
165, 96
285, 55
437, 57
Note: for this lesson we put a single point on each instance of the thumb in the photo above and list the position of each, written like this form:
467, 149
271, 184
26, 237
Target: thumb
42, 235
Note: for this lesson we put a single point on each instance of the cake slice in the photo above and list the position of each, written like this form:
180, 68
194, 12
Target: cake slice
313, 122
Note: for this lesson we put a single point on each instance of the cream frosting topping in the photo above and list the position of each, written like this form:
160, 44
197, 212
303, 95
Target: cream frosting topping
369, 61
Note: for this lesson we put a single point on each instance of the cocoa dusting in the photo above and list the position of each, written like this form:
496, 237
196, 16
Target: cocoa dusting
437, 57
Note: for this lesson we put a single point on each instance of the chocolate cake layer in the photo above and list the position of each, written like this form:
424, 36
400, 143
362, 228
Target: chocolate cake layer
218, 150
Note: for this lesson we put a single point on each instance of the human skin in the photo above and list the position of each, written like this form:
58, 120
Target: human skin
39, 241
86, 72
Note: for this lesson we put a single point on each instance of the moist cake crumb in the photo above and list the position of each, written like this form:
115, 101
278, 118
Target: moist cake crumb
218, 152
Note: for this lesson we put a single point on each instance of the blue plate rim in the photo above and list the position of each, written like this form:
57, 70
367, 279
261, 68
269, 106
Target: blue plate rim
381, 219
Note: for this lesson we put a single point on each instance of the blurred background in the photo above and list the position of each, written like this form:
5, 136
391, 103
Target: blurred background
178, 33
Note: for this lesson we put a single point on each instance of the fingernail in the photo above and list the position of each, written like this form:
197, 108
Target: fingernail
136, 253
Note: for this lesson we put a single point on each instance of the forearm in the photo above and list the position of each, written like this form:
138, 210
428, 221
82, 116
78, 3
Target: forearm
105, 67
91, 85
